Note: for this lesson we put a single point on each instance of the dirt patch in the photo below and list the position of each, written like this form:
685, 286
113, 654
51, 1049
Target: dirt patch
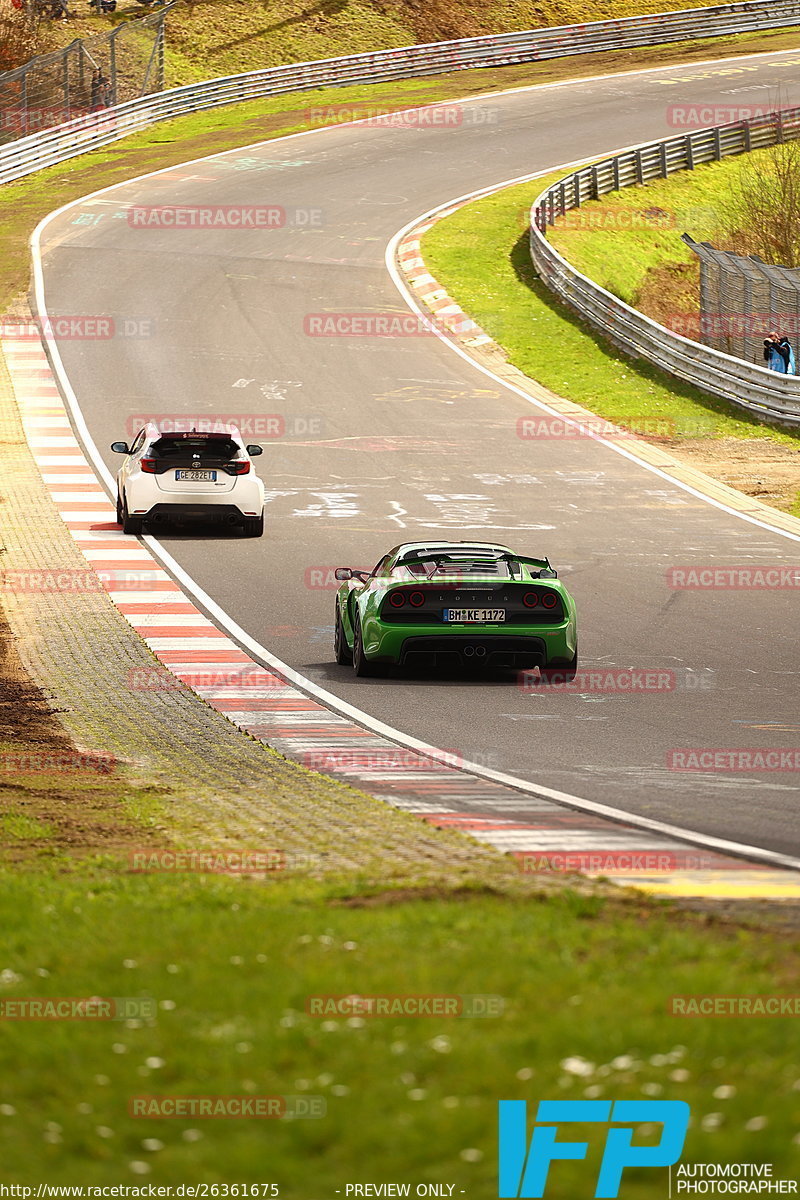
775, 915
55, 820
406, 895
669, 289
53, 799
24, 712
758, 467
543, 886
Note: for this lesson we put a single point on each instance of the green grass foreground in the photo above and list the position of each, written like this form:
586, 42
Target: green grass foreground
586, 983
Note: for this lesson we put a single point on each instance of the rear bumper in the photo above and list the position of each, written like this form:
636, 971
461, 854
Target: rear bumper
499, 650
224, 514
245, 497
492, 646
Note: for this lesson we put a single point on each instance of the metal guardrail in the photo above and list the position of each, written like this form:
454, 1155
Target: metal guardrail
44, 149
762, 392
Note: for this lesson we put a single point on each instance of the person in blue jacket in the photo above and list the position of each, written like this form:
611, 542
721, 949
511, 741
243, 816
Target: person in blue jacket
779, 355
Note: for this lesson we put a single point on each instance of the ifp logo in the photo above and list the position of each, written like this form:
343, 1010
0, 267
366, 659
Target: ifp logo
523, 1169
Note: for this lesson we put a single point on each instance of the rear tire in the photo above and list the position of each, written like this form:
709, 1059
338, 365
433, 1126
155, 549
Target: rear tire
564, 674
130, 524
342, 652
253, 526
119, 510
361, 664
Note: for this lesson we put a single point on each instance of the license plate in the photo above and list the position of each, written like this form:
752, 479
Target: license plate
197, 476
474, 616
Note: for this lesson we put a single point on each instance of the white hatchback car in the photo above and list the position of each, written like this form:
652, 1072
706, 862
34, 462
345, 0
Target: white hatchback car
195, 475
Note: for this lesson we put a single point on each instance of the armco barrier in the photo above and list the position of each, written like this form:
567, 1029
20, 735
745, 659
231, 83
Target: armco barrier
764, 393
31, 153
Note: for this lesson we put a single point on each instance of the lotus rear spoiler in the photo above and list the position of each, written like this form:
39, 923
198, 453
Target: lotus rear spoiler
545, 570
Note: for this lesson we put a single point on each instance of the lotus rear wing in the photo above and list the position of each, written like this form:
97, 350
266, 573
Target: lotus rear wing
454, 556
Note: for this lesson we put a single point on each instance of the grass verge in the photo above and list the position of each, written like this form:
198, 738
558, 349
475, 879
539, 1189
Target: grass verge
585, 982
480, 255
620, 260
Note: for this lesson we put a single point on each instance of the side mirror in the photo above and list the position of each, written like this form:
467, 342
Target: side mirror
343, 574
545, 574
254, 451
120, 447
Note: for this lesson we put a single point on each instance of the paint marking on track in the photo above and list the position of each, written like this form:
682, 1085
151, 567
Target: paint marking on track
472, 784
195, 653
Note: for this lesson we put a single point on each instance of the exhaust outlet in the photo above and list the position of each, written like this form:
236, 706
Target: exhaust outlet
469, 651
480, 651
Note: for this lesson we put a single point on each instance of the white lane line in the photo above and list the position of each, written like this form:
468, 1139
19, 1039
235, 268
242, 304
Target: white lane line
158, 620
235, 631
92, 516
182, 643
103, 555
53, 479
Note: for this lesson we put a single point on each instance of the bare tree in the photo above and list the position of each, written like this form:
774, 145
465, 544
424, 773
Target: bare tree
761, 213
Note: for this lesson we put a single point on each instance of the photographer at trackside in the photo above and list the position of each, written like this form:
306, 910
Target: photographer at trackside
778, 355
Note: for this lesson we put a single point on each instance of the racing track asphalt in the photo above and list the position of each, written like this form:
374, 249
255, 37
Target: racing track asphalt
395, 440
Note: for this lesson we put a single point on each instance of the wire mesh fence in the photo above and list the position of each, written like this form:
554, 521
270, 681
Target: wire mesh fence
743, 300
742, 378
88, 75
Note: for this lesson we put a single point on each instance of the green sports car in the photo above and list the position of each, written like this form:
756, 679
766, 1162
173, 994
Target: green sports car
456, 603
